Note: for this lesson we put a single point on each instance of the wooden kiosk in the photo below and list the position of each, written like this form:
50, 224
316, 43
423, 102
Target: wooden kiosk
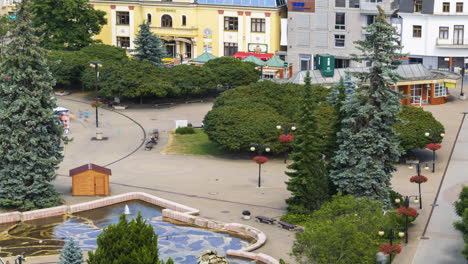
90, 179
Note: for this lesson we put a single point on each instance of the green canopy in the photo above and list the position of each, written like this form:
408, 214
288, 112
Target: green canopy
255, 60
204, 58
275, 62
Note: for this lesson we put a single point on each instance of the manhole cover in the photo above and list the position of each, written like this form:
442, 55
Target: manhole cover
225, 212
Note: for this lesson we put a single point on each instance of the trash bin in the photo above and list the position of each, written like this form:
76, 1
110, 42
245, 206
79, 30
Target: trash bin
246, 215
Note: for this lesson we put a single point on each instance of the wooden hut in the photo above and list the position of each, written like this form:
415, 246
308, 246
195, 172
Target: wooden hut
90, 179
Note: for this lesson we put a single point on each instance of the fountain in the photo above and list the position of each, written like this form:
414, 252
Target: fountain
127, 210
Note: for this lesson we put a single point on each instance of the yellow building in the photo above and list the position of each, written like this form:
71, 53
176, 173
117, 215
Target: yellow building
7, 7
191, 27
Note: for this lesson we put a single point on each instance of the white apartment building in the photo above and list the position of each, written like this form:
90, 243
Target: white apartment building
433, 32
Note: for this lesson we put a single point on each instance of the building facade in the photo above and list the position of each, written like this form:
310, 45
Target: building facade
7, 7
433, 32
329, 27
189, 28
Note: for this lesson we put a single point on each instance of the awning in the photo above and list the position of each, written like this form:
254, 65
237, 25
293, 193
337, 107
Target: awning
242, 55
205, 57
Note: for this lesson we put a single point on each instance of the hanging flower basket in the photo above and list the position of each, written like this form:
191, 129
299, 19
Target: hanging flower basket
260, 159
388, 249
434, 146
418, 179
6, 78
96, 103
407, 211
285, 138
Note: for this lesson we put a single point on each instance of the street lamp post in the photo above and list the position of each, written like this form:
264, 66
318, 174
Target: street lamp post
259, 159
418, 170
96, 65
391, 237
406, 205
434, 134
19, 259
462, 72
286, 137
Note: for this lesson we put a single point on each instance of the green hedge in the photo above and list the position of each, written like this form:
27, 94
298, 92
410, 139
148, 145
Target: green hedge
185, 130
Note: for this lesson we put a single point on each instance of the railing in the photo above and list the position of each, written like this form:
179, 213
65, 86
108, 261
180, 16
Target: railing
177, 32
452, 43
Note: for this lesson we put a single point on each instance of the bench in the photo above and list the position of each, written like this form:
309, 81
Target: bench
286, 225
266, 220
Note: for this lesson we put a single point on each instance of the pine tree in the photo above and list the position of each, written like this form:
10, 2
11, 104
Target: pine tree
30, 135
71, 253
149, 46
127, 242
368, 145
308, 181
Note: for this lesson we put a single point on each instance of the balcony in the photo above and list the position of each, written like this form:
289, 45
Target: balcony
371, 7
175, 32
452, 43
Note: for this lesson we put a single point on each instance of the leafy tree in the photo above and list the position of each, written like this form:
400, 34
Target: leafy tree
30, 150
461, 208
67, 24
231, 72
342, 231
415, 122
368, 145
103, 53
192, 80
67, 67
71, 253
308, 181
148, 46
127, 242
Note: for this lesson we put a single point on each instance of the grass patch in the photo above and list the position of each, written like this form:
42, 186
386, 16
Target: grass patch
192, 144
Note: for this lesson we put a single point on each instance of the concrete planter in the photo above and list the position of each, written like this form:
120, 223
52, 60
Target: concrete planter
119, 107
61, 93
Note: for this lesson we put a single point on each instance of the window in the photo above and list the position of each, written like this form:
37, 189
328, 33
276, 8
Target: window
417, 6
459, 7
257, 25
148, 18
446, 7
305, 63
370, 19
339, 40
440, 90
415, 60
123, 42
340, 21
166, 21
230, 48
184, 20
123, 18
340, 3
417, 30
443, 32
188, 50
341, 63
230, 23
354, 3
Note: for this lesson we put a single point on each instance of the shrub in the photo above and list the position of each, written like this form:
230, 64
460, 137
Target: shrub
461, 208
185, 130
297, 219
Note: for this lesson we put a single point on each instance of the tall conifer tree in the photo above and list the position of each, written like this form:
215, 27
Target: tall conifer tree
308, 181
368, 145
30, 136
148, 46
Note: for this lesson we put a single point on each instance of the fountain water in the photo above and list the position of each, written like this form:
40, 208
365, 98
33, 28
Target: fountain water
127, 210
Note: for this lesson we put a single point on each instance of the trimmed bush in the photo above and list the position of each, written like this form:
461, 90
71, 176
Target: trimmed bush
185, 130
461, 208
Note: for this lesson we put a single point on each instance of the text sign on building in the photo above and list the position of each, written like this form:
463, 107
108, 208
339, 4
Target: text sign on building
257, 47
301, 6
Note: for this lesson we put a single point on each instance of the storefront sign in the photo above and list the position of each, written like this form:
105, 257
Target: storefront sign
207, 40
257, 47
301, 6
163, 10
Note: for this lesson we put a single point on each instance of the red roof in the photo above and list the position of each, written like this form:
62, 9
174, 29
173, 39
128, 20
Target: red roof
242, 55
90, 166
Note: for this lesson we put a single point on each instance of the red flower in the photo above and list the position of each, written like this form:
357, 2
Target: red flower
260, 159
407, 211
285, 138
433, 146
418, 179
96, 103
388, 249
6, 78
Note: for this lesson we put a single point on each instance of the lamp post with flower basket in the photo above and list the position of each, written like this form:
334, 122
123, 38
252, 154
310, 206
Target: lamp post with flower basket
407, 212
259, 159
437, 136
286, 137
390, 248
419, 179
96, 65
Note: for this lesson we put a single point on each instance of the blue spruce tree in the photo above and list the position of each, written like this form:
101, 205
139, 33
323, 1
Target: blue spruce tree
368, 145
149, 46
30, 135
71, 253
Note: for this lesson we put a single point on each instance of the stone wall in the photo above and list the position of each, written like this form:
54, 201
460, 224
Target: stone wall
172, 210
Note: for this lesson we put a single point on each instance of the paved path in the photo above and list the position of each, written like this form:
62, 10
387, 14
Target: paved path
443, 243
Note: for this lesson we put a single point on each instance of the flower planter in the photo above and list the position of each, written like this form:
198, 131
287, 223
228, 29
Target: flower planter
61, 93
119, 107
